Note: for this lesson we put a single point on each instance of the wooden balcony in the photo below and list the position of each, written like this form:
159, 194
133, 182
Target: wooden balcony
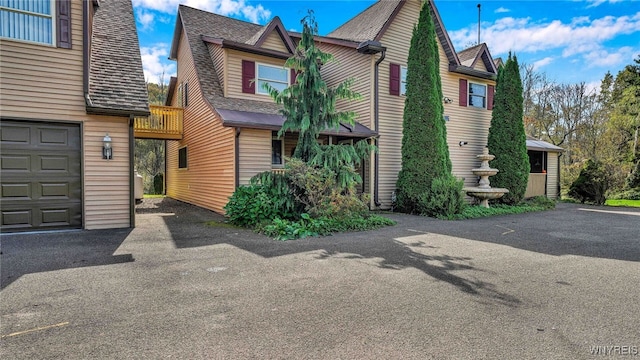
165, 123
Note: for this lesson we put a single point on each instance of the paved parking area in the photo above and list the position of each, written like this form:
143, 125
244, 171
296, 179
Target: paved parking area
562, 284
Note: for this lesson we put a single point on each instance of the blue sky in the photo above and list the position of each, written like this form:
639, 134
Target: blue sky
571, 41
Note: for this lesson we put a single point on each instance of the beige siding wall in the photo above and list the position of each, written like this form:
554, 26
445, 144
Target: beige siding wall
234, 74
397, 39
209, 179
466, 123
254, 153
480, 65
39, 82
106, 182
553, 159
350, 64
219, 57
274, 42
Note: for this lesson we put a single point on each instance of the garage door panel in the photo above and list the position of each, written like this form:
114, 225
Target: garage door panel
15, 134
16, 191
41, 182
14, 162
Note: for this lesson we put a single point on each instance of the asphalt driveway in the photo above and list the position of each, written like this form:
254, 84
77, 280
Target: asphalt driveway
561, 284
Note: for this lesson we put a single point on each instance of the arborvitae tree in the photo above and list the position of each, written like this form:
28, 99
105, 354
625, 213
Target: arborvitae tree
425, 155
507, 139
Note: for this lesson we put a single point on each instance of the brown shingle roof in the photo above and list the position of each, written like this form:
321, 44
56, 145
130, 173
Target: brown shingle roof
368, 24
196, 23
468, 56
116, 79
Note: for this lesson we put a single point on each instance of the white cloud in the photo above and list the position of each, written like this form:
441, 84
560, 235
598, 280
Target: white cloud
542, 62
595, 3
155, 63
524, 35
223, 7
602, 57
145, 19
502, 9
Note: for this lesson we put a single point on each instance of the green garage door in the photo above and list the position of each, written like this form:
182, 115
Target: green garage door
41, 185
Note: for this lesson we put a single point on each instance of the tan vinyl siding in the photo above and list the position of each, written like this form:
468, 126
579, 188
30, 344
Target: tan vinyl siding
106, 182
39, 82
209, 179
553, 158
397, 39
43, 82
254, 152
274, 42
234, 72
350, 64
219, 57
479, 65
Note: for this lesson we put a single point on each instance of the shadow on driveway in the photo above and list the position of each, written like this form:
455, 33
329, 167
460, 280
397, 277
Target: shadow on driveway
29, 253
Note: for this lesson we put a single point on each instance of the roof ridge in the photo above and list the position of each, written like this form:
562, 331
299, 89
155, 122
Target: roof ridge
218, 15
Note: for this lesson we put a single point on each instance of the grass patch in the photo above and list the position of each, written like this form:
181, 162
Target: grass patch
628, 203
224, 225
539, 203
150, 196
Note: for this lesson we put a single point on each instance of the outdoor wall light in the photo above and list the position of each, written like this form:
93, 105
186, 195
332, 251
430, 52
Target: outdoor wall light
447, 100
463, 143
107, 151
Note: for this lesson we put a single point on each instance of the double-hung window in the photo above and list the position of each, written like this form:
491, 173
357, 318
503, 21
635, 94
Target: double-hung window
477, 95
276, 76
32, 21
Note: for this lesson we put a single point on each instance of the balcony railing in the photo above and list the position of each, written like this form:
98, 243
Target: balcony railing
165, 122
536, 185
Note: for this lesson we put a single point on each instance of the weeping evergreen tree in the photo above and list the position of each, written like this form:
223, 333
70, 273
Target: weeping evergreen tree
425, 154
507, 139
309, 105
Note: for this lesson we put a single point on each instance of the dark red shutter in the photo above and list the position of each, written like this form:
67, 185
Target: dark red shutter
248, 77
294, 77
490, 89
394, 79
462, 93
63, 12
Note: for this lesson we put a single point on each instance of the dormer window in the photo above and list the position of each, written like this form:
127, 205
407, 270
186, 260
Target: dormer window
276, 76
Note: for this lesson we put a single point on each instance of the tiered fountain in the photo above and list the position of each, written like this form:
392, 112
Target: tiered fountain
484, 192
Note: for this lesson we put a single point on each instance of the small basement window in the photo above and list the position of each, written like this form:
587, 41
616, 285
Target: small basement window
182, 158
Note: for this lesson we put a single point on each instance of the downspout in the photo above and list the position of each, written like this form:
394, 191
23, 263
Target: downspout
376, 121
559, 187
237, 158
132, 175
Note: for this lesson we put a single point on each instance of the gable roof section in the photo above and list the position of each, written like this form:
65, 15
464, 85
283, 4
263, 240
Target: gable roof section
539, 145
372, 23
116, 79
369, 24
275, 25
470, 57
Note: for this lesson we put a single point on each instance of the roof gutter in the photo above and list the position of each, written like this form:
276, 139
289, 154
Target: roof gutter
460, 69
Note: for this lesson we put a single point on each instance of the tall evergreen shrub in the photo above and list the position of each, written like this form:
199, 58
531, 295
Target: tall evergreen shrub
507, 139
425, 155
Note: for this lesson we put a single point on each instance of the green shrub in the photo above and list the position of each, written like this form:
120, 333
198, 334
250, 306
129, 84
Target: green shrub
591, 184
158, 184
633, 194
541, 201
278, 189
445, 198
249, 206
633, 180
306, 226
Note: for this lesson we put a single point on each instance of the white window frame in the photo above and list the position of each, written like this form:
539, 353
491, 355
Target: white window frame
52, 16
484, 97
403, 80
259, 89
274, 136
